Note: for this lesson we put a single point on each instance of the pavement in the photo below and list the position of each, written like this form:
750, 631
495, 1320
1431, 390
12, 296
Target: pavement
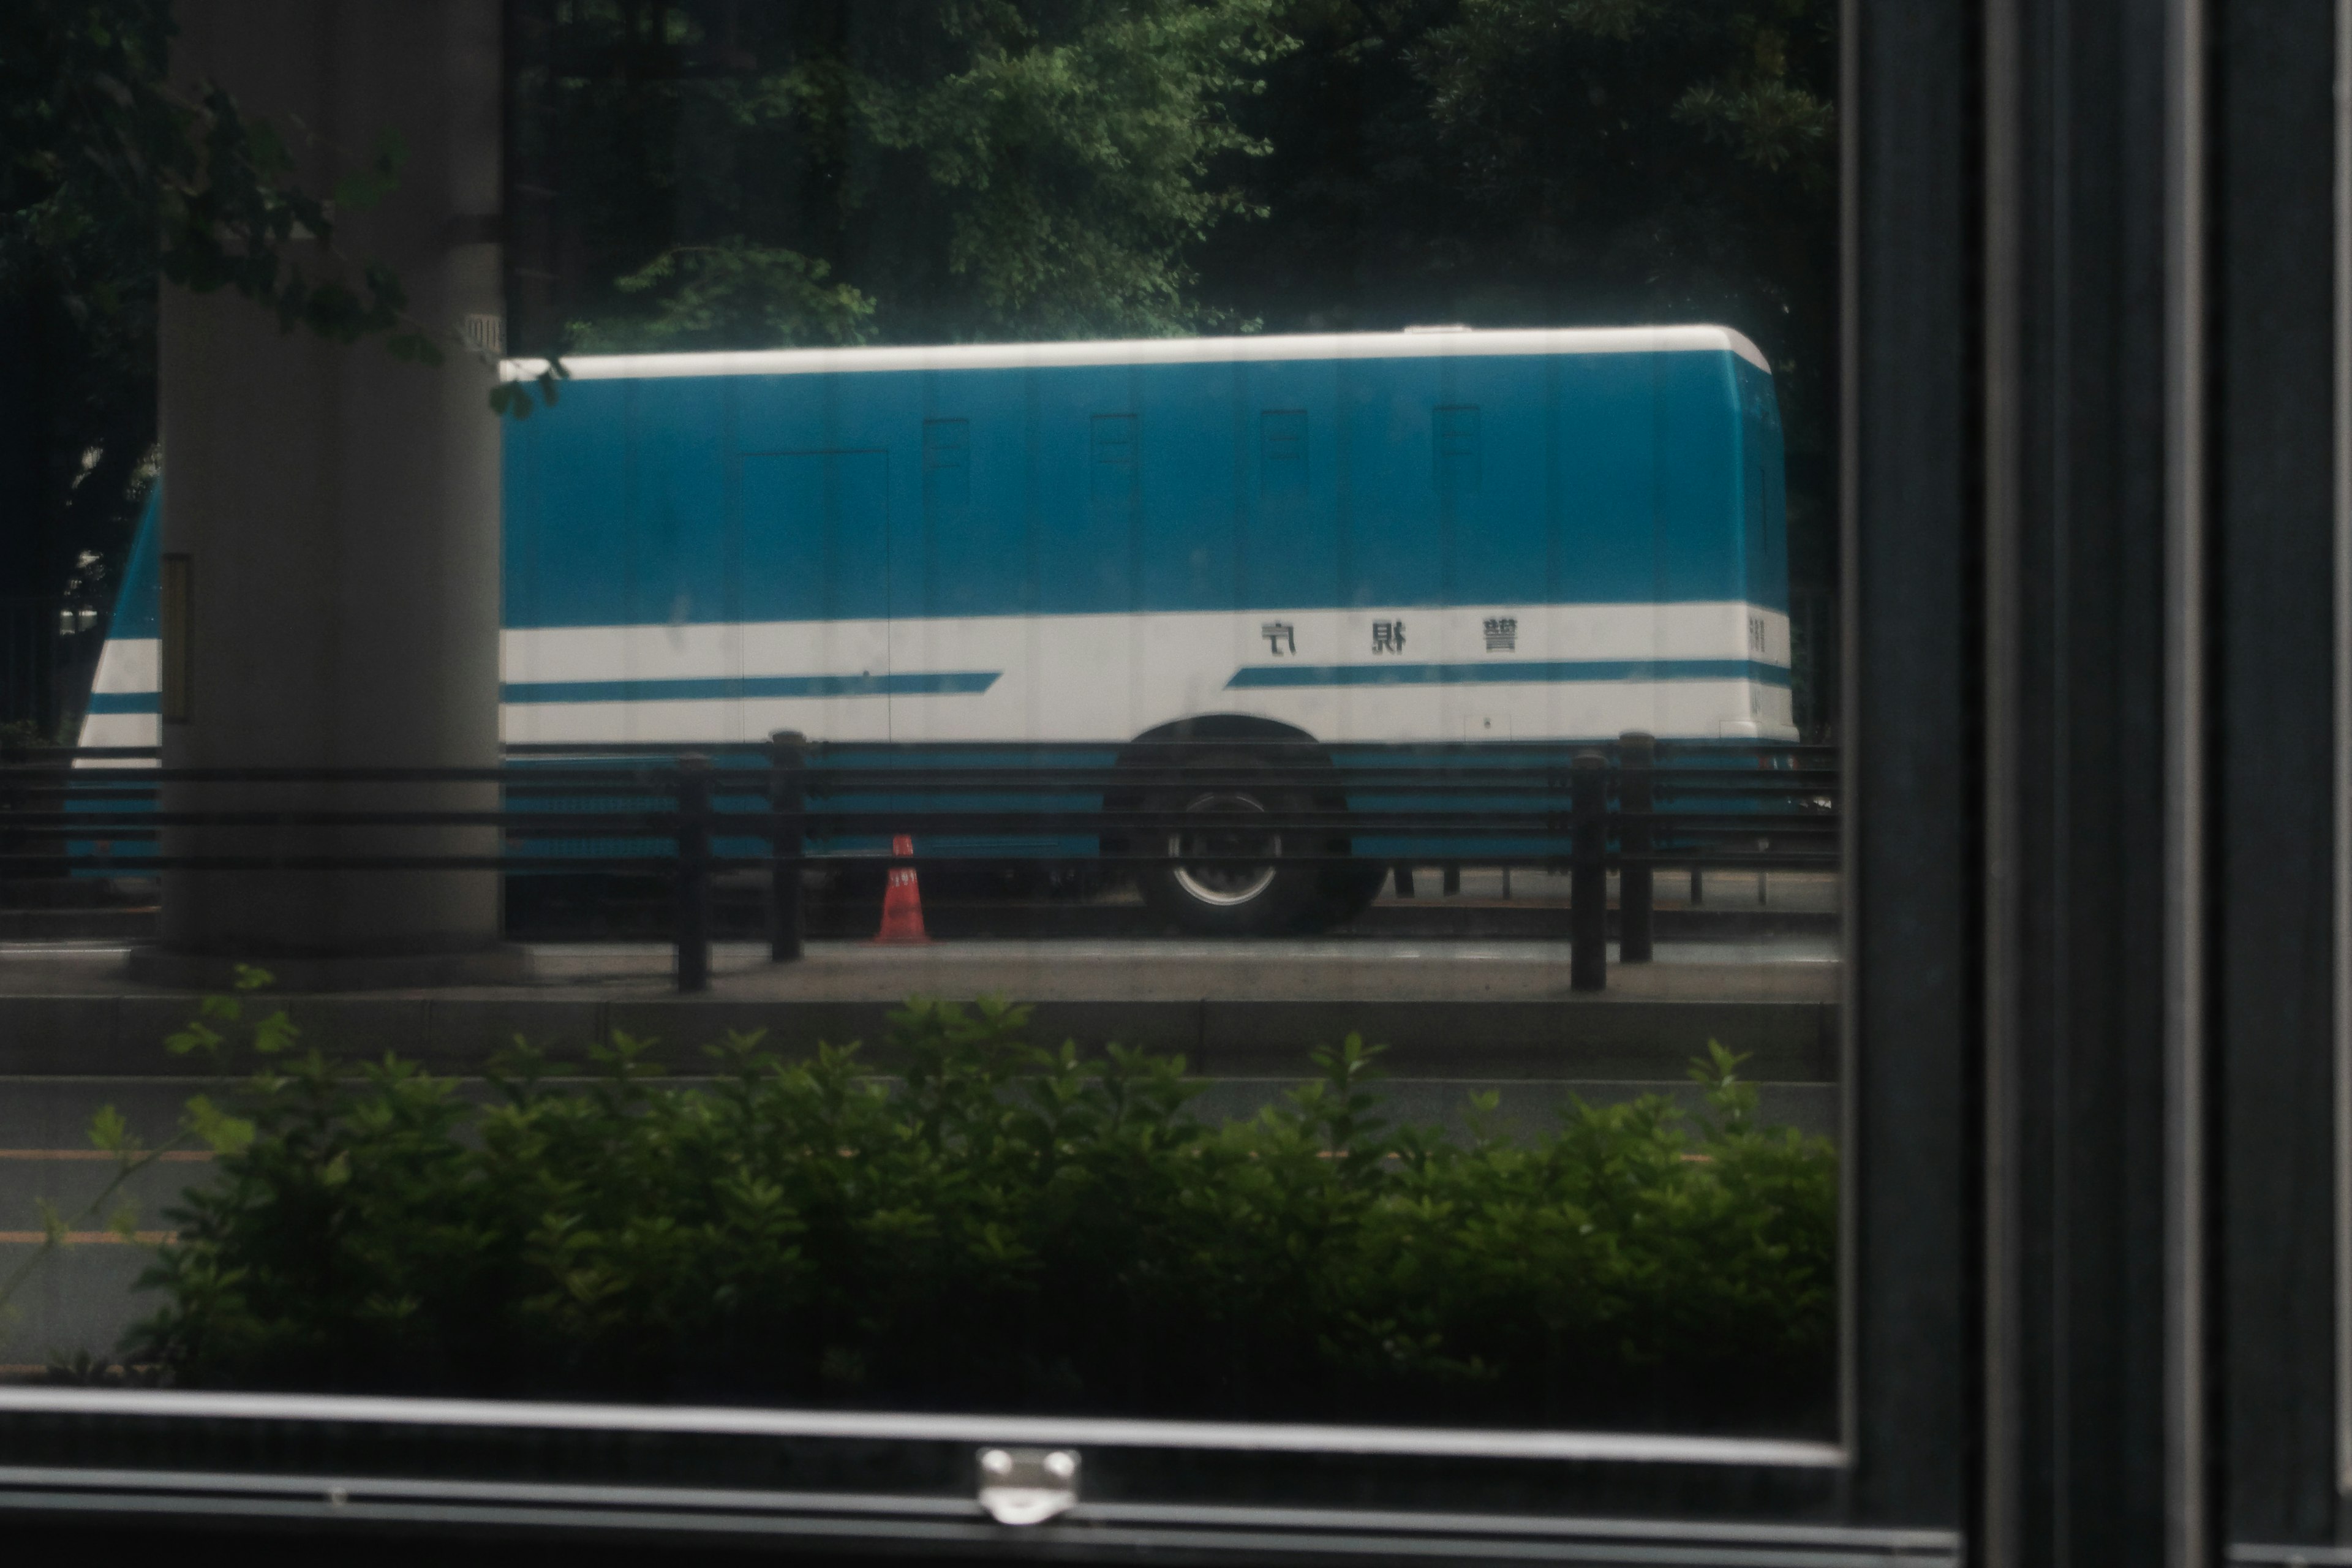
1488, 903
1449, 1009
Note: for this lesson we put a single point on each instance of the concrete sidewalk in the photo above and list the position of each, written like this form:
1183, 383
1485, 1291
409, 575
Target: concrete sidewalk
1476, 1010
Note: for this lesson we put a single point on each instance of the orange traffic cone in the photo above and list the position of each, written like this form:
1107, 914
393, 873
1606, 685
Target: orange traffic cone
902, 901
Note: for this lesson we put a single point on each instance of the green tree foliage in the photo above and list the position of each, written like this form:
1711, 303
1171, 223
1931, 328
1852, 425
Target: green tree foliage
1666, 159
1543, 162
98, 138
77, 306
109, 178
1005, 1226
746, 177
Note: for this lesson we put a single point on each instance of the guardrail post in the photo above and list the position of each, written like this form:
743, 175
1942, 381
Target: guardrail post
8, 841
788, 803
1636, 755
694, 872
1588, 893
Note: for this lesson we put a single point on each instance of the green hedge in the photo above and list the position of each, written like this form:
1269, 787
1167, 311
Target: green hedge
1000, 1226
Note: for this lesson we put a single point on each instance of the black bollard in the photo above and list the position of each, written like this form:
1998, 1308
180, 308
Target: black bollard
693, 872
1589, 877
1636, 755
788, 813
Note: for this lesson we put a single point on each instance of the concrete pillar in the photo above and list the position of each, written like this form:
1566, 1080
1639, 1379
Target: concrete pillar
338, 512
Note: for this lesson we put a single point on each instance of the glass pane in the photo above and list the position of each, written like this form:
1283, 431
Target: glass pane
1288, 544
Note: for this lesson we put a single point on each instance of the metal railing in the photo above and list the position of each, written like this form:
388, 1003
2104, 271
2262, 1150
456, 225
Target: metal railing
1633, 806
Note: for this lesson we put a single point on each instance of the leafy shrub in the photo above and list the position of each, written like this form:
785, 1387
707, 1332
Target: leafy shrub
1003, 1227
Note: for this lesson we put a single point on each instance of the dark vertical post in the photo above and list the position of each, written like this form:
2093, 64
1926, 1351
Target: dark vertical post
693, 872
788, 808
9, 845
1453, 880
1404, 881
1588, 883
1636, 753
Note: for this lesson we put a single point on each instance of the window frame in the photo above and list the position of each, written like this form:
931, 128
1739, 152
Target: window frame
1900, 1478
2281, 1013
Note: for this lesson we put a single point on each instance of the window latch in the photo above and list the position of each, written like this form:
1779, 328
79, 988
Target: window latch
1027, 1485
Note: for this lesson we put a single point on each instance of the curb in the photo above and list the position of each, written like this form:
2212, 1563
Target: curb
1787, 1042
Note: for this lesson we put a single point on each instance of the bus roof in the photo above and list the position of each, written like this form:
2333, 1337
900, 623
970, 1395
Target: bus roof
1410, 344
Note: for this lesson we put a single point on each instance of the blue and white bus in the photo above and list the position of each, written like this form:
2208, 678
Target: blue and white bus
1427, 535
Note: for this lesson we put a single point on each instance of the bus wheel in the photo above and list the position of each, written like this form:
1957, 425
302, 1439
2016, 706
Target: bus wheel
1224, 818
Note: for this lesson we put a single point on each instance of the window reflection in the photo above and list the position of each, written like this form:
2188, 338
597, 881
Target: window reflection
1258, 528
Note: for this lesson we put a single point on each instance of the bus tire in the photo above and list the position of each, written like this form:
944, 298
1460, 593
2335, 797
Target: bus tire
1229, 900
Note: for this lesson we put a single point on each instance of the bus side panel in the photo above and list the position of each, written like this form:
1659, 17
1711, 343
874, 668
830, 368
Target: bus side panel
1766, 475
567, 521
124, 689
680, 559
1395, 555
1051, 548
1393, 542
809, 547
1489, 446
136, 609
1191, 547
1499, 544
970, 551
1605, 425
564, 534
1280, 419
1092, 482
678, 565
1765, 478
1193, 454
1606, 415
1698, 481
519, 488
962, 556
1700, 464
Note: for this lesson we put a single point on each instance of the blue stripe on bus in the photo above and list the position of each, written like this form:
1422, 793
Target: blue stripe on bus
954, 682
1494, 672
913, 683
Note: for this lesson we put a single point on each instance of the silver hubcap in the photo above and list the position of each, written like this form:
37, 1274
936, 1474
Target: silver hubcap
1225, 885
